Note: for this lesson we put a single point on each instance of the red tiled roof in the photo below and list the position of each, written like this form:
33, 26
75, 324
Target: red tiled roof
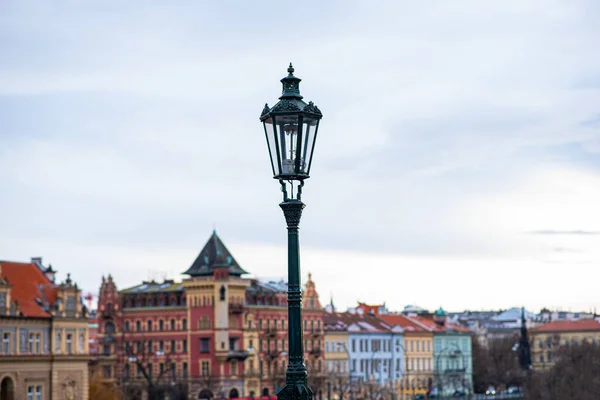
365, 323
437, 328
569, 326
28, 282
404, 322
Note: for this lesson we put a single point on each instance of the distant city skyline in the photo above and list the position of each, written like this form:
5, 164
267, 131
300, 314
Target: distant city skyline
458, 162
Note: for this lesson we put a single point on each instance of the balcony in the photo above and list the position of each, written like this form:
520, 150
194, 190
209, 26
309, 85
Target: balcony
237, 355
271, 355
315, 352
270, 333
236, 308
314, 333
108, 313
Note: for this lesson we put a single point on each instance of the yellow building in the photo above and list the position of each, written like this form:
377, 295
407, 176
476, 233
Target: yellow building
337, 359
418, 368
44, 335
547, 338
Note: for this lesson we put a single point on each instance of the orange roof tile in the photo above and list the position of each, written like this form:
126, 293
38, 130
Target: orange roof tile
28, 282
569, 326
404, 322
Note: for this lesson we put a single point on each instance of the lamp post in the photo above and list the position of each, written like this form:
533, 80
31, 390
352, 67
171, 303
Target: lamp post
291, 128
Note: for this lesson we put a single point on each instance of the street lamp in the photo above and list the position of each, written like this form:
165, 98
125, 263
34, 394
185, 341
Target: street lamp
291, 128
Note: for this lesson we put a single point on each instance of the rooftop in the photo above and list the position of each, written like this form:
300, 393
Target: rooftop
28, 284
584, 325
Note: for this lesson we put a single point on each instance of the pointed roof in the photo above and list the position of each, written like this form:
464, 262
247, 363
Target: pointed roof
214, 255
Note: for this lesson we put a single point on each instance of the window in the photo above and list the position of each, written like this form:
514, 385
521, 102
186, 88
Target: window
204, 323
161, 325
184, 324
184, 346
149, 326
37, 343
205, 345
127, 326
81, 343
353, 345
172, 324
38, 393
138, 347
109, 328
106, 349
205, 368
185, 370
161, 345
173, 369
30, 390
233, 367
172, 346
6, 343
138, 326
106, 371
150, 369
31, 341
3, 300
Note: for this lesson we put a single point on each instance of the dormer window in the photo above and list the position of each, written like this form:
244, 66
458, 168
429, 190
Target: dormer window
71, 303
2, 299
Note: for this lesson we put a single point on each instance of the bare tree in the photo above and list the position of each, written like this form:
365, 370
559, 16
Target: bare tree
139, 355
575, 375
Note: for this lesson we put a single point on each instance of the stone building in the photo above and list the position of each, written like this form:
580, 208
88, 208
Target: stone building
43, 333
214, 334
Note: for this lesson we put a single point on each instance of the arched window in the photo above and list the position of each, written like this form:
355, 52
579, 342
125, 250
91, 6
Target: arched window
149, 326
172, 324
127, 326
138, 326
161, 325
109, 328
184, 324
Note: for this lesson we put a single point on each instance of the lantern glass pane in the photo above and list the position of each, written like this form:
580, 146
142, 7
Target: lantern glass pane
287, 135
269, 135
309, 131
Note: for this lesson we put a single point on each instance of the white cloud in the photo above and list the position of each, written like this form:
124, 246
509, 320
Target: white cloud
450, 130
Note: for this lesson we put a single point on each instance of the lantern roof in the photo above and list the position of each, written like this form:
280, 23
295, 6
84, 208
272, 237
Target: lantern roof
290, 101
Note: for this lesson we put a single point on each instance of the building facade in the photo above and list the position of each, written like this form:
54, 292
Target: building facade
417, 369
215, 334
452, 355
546, 339
43, 333
375, 352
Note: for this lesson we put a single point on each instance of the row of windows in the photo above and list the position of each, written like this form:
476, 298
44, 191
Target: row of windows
150, 346
550, 342
149, 326
372, 345
415, 364
160, 369
280, 345
35, 343
280, 324
335, 347
268, 368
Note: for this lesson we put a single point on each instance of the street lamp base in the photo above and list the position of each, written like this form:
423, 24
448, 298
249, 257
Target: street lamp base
297, 391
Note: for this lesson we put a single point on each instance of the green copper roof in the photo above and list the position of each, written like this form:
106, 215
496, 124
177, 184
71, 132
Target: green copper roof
440, 312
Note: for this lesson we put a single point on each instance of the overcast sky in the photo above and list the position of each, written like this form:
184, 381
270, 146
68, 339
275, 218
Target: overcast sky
458, 162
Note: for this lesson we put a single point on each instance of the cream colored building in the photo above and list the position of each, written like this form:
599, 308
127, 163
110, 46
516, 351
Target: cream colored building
43, 335
546, 339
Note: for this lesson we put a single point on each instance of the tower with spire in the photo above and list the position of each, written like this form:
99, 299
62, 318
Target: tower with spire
524, 349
